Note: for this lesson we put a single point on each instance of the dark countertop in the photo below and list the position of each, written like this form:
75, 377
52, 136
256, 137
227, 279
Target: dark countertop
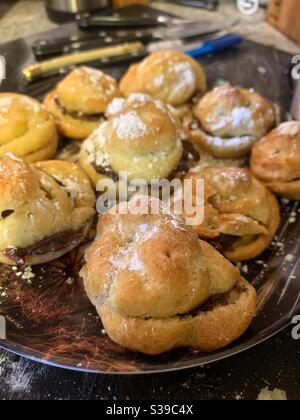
274, 364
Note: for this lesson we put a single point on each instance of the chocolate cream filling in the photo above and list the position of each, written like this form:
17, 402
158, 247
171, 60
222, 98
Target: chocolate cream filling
216, 301
223, 242
52, 244
190, 158
79, 115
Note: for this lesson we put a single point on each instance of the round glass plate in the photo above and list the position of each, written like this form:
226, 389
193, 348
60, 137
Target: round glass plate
47, 315
49, 318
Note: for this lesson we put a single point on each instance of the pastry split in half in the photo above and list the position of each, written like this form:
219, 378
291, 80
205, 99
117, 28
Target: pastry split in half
241, 216
275, 160
78, 102
46, 210
27, 128
228, 120
170, 76
142, 138
156, 286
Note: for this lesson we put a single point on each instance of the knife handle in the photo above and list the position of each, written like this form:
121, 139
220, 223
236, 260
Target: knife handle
215, 45
39, 69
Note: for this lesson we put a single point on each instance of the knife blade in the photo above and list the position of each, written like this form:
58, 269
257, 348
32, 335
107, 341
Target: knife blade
87, 20
43, 48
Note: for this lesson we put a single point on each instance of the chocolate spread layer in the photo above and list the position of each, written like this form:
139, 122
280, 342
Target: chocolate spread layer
221, 299
79, 115
223, 242
189, 159
107, 171
54, 243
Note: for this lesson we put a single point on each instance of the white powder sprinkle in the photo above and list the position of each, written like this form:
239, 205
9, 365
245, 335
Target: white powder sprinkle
116, 106
290, 128
130, 126
5, 104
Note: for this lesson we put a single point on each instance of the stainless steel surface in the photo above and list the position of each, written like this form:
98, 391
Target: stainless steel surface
75, 6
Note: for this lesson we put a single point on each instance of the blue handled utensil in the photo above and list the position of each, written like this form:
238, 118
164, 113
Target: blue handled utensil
215, 45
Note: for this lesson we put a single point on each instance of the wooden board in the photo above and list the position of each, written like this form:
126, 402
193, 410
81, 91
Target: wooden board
285, 16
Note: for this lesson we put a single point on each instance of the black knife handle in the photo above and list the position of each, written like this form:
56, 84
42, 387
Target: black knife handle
68, 45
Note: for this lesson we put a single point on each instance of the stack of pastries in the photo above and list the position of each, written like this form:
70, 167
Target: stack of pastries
157, 283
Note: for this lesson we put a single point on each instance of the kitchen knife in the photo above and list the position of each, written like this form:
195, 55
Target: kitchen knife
126, 51
88, 20
43, 48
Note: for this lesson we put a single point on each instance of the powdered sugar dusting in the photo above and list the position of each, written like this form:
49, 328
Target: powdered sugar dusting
95, 75
290, 128
130, 126
116, 106
5, 104
240, 116
185, 77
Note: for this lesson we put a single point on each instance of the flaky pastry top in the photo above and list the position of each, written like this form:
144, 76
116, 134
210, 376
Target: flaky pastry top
87, 90
141, 137
276, 157
169, 76
38, 201
152, 265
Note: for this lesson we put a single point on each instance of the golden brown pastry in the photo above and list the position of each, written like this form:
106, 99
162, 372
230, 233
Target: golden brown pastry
141, 138
276, 160
241, 216
46, 210
228, 120
27, 129
156, 286
79, 101
169, 76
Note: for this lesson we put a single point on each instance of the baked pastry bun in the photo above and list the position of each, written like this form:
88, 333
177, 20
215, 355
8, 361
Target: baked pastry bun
46, 210
228, 120
170, 76
275, 160
156, 286
141, 137
241, 216
27, 129
79, 101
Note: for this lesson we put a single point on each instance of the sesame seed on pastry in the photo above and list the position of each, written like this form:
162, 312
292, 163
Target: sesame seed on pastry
46, 210
79, 101
140, 137
229, 120
156, 286
275, 160
170, 76
27, 129
241, 216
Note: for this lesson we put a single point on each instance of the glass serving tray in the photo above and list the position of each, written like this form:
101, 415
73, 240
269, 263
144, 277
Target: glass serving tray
48, 316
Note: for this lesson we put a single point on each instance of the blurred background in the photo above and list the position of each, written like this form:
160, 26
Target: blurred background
26, 17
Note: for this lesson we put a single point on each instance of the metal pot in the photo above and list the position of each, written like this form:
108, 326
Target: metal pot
75, 6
